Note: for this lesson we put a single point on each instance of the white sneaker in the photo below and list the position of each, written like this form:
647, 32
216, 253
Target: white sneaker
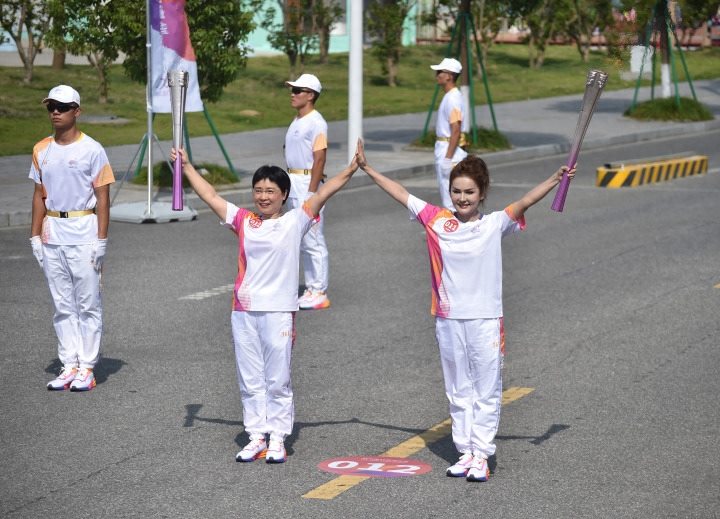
479, 470
84, 380
460, 469
63, 380
276, 452
313, 300
253, 450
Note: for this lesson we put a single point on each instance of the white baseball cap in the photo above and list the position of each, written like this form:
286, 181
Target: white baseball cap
449, 64
63, 94
306, 81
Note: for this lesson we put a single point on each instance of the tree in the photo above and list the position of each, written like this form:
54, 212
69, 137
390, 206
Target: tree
385, 22
59, 45
585, 16
325, 13
693, 15
294, 34
29, 18
657, 19
545, 19
87, 27
489, 16
218, 30
655, 16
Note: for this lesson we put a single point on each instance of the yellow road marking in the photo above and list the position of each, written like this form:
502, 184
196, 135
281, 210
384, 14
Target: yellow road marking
340, 484
334, 488
717, 286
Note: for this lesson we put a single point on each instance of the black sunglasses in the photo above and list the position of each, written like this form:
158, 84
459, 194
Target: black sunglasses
298, 90
61, 107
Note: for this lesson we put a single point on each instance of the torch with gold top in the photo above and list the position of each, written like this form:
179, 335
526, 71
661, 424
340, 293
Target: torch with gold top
178, 84
594, 85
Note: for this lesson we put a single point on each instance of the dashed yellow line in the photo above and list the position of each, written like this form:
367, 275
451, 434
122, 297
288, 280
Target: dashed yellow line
334, 488
340, 484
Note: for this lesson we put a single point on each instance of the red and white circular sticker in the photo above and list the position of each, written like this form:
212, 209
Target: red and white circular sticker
375, 466
451, 225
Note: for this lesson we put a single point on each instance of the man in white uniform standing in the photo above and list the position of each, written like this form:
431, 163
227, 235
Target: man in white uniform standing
448, 128
305, 154
70, 218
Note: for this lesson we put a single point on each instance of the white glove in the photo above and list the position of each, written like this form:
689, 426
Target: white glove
447, 164
308, 195
36, 244
98, 253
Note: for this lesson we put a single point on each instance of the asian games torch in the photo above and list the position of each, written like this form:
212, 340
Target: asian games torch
178, 83
596, 80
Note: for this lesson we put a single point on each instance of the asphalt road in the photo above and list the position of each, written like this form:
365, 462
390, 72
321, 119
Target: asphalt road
611, 312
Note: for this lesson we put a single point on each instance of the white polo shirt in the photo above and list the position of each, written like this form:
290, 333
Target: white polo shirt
69, 174
451, 110
268, 258
465, 260
304, 136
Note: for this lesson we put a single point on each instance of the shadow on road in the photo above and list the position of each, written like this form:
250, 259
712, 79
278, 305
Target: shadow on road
444, 448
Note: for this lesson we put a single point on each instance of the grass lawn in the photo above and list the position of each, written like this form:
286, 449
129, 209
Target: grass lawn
260, 88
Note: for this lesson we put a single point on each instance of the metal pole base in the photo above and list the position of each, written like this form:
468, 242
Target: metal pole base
160, 212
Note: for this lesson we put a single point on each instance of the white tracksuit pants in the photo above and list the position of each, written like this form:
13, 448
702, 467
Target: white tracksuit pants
313, 251
471, 353
443, 169
263, 352
75, 288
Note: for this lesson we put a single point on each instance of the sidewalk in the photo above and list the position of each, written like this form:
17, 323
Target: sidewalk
535, 128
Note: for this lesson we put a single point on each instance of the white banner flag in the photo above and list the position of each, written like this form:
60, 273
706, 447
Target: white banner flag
171, 50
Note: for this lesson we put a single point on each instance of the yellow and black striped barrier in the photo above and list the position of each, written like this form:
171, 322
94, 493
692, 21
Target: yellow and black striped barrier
650, 171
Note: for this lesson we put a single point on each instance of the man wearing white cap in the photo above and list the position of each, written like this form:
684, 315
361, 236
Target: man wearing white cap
448, 128
70, 218
305, 154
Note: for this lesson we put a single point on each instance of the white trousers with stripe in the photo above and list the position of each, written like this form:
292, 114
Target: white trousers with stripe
263, 353
313, 249
471, 354
442, 170
75, 289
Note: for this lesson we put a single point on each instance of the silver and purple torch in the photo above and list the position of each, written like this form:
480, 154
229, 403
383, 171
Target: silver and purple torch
596, 80
178, 83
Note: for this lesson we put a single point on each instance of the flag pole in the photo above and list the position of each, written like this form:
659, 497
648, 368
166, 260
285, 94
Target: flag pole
355, 78
149, 107
146, 211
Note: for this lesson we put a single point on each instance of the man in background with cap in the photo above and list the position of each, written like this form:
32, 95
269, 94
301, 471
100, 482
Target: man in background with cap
448, 127
305, 153
70, 218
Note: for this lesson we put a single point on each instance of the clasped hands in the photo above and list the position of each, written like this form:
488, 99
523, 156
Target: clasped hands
359, 157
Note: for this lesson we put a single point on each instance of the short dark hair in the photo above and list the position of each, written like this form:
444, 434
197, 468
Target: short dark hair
474, 168
276, 175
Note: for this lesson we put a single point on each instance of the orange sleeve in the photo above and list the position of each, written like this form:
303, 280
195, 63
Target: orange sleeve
512, 212
105, 176
455, 115
320, 142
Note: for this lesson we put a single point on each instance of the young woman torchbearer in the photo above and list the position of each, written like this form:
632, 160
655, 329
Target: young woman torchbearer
466, 277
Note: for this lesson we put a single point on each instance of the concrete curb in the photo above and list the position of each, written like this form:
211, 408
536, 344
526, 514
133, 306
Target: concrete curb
650, 171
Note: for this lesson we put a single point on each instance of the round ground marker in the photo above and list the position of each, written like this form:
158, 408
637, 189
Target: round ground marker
375, 466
